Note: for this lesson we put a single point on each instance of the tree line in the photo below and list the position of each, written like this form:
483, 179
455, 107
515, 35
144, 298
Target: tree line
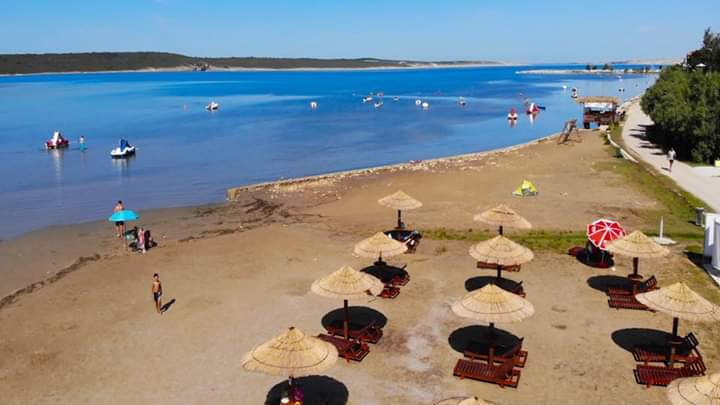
684, 104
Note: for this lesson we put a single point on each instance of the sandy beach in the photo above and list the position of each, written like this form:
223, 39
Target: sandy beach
78, 323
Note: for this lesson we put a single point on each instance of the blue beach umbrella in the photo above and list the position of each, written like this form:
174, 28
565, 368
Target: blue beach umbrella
125, 215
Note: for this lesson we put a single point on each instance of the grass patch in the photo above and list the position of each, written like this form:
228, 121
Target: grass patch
552, 241
679, 205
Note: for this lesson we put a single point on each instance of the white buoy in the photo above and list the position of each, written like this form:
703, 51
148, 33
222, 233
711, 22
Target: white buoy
418, 102
425, 105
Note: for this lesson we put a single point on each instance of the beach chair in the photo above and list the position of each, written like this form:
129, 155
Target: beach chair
626, 302
390, 292
354, 350
369, 333
662, 376
493, 266
400, 280
685, 352
503, 354
504, 374
519, 290
643, 287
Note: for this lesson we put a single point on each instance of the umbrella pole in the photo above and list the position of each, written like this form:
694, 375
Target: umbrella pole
399, 219
346, 323
500, 230
499, 272
635, 266
673, 341
491, 345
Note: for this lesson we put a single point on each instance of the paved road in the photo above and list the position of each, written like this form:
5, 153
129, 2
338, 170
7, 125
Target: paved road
704, 182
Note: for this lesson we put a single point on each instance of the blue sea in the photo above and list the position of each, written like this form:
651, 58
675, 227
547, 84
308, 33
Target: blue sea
263, 131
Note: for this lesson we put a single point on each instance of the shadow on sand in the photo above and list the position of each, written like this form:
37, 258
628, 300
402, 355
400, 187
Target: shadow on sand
603, 283
630, 338
385, 272
475, 283
317, 390
167, 306
478, 336
359, 318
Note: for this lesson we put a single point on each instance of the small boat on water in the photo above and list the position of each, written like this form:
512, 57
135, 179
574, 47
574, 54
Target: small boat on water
512, 115
462, 102
396, 98
367, 99
379, 104
213, 106
418, 102
57, 141
124, 150
425, 105
314, 105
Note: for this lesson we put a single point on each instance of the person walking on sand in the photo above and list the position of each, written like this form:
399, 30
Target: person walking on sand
157, 293
671, 158
119, 225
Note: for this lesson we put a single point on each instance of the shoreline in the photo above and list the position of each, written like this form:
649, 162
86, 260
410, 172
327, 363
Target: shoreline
268, 69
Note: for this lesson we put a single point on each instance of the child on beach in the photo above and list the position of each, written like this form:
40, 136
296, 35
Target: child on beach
119, 225
157, 293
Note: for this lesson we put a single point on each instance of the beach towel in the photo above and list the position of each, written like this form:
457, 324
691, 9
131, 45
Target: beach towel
527, 188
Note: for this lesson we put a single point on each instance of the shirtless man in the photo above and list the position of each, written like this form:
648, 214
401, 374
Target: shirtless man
157, 293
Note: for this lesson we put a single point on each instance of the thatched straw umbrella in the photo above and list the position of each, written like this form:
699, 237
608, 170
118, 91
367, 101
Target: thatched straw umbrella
703, 390
463, 401
400, 201
291, 354
502, 216
379, 245
680, 302
347, 283
502, 252
492, 304
637, 245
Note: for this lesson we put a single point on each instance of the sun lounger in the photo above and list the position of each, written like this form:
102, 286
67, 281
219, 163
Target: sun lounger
626, 302
369, 333
389, 292
400, 280
686, 351
662, 376
643, 287
410, 238
493, 266
348, 349
502, 354
504, 374
519, 290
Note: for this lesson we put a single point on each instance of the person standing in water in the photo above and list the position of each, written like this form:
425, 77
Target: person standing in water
82, 143
671, 158
119, 225
157, 293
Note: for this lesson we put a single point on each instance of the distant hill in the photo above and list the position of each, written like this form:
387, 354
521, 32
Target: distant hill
118, 61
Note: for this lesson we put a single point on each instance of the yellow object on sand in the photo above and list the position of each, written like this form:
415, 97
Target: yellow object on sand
527, 188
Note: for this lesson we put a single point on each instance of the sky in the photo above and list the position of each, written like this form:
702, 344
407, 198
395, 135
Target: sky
522, 31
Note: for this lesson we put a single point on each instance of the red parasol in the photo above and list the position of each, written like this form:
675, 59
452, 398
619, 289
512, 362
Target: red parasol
602, 231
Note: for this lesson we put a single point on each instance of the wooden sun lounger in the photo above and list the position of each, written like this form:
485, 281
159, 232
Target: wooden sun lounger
493, 266
627, 302
369, 333
389, 292
647, 285
515, 353
662, 376
519, 290
504, 375
348, 349
400, 280
660, 354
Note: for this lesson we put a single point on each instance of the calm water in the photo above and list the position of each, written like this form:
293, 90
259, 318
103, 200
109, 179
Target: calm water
263, 131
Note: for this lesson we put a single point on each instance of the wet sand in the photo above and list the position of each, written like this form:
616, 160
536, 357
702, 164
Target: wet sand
240, 272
